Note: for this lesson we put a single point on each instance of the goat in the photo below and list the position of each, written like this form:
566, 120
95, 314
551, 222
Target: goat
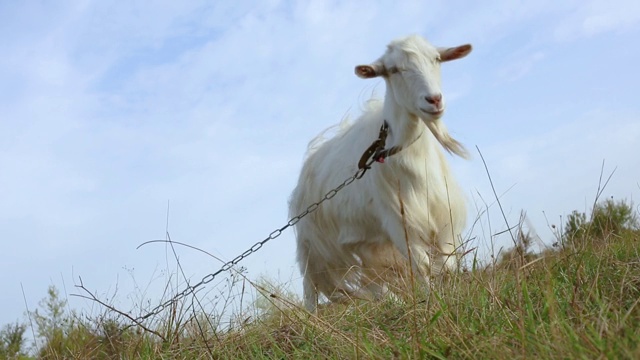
407, 211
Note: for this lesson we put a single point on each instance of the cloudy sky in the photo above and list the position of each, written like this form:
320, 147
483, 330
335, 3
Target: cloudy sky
111, 111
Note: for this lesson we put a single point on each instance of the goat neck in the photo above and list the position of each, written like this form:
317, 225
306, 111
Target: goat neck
404, 127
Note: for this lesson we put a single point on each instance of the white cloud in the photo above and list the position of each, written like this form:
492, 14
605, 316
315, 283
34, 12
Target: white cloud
520, 68
599, 16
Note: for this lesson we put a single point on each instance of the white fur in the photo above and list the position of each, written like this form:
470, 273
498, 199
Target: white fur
357, 243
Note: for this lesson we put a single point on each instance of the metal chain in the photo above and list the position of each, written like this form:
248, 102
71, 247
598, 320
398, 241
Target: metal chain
274, 234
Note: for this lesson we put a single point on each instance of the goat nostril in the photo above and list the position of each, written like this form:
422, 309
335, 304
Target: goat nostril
435, 99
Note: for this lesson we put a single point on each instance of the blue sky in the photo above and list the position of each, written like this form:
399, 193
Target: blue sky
108, 111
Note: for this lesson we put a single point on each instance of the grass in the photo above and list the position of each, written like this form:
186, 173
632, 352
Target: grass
573, 302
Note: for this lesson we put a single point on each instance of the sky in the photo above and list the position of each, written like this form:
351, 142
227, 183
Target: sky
122, 120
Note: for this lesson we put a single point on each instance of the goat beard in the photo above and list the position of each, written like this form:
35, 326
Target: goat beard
453, 146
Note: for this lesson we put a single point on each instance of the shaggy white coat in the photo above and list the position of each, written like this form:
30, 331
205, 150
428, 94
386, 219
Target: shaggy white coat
357, 243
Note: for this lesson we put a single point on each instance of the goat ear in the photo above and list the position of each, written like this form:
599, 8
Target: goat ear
458, 52
369, 71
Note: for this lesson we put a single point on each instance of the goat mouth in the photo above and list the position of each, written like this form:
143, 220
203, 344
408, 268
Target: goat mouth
433, 113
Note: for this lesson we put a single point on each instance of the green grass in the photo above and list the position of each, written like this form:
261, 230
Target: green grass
578, 302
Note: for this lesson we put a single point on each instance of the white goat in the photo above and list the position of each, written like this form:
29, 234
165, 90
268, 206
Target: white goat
408, 210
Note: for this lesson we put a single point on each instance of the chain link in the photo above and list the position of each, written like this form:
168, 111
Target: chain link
274, 234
